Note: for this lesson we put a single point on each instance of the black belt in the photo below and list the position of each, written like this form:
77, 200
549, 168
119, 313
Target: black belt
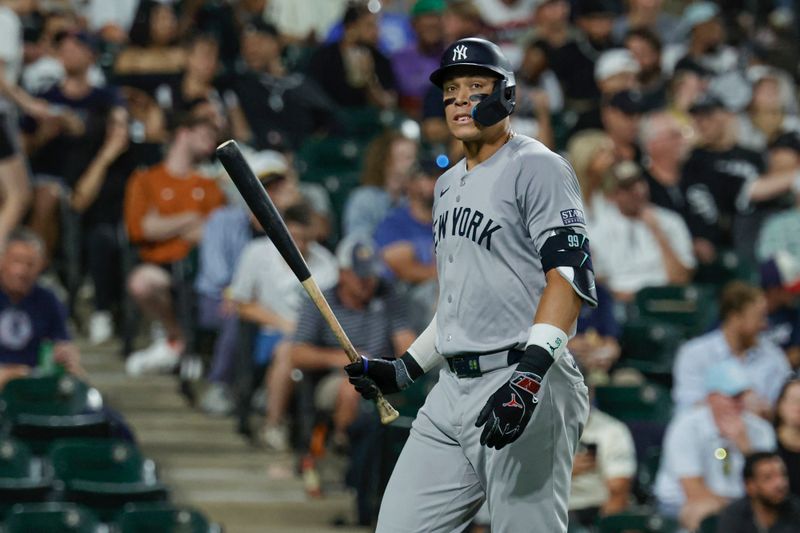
475, 365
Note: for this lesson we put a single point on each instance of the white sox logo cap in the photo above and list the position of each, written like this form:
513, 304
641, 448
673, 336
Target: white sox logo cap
460, 53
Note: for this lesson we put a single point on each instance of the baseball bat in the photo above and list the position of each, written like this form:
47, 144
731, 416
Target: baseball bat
265, 212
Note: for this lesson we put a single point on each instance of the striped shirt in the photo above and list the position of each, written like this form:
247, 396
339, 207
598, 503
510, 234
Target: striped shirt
370, 329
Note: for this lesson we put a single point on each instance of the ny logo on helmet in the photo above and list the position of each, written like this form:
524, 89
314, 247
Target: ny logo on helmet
460, 53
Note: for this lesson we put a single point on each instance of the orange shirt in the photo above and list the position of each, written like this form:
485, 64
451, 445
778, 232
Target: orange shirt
155, 188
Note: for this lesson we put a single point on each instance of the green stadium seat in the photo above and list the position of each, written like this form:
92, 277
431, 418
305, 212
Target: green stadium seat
23, 477
38, 410
329, 154
52, 517
727, 267
709, 524
649, 345
649, 402
162, 518
104, 474
646, 473
636, 521
691, 307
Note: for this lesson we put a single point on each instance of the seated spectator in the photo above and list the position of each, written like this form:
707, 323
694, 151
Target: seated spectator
165, 210
646, 49
538, 95
595, 344
266, 292
405, 243
388, 164
375, 319
57, 144
787, 430
228, 231
591, 154
705, 446
766, 116
615, 71
603, 470
620, 114
280, 109
743, 315
352, 71
508, 21
413, 65
639, 244
665, 146
30, 315
650, 16
152, 53
768, 504
780, 280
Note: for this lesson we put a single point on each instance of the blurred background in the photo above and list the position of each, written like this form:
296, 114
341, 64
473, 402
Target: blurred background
160, 366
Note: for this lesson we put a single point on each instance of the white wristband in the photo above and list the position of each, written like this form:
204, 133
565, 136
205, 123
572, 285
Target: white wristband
423, 349
550, 338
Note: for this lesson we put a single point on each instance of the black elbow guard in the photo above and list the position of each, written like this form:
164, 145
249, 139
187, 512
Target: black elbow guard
568, 252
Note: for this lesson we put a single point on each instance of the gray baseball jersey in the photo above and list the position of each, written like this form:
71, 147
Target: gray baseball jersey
489, 224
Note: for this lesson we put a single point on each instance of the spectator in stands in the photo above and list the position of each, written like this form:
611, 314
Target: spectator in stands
743, 315
721, 181
602, 474
595, 344
665, 146
413, 65
780, 280
639, 244
787, 430
352, 71
30, 314
620, 114
165, 210
281, 109
508, 20
551, 24
388, 164
404, 240
591, 153
57, 144
461, 18
266, 292
373, 315
648, 15
615, 71
153, 51
98, 196
768, 504
538, 95
704, 448
766, 116
14, 179
646, 48
228, 231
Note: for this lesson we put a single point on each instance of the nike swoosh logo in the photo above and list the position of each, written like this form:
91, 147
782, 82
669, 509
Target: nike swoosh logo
443, 191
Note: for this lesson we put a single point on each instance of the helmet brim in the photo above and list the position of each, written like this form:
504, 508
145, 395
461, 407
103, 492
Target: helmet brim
441, 74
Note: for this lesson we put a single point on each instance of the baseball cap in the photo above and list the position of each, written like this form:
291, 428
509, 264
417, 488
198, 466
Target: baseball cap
613, 62
726, 377
698, 13
357, 253
629, 102
780, 271
789, 139
626, 173
424, 7
706, 103
82, 36
268, 165
594, 8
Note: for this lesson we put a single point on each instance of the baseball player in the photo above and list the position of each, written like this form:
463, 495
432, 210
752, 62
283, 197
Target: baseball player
503, 421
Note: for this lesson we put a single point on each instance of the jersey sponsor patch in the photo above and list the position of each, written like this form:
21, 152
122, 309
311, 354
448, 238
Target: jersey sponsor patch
572, 216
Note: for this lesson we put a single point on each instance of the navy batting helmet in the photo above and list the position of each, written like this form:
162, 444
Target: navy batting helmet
480, 53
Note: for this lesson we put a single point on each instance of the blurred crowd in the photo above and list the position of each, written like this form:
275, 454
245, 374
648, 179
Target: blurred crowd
680, 120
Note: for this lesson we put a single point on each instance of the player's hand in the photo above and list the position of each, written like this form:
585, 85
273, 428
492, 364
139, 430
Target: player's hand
369, 376
508, 411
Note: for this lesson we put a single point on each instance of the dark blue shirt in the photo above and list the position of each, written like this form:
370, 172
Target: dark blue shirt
784, 327
601, 318
23, 326
400, 226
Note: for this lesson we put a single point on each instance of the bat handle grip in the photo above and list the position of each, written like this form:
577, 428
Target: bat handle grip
387, 413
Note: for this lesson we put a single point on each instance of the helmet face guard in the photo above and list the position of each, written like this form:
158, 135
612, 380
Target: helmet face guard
485, 55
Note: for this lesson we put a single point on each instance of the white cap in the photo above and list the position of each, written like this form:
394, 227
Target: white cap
267, 162
615, 62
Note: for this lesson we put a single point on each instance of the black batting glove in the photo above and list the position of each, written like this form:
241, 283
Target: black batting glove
369, 376
508, 411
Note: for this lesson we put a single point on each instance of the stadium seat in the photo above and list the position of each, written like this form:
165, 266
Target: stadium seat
648, 402
41, 409
636, 521
649, 345
646, 472
162, 517
52, 517
691, 307
709, 524
331, 154
728, 266
23, 478
104, 474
